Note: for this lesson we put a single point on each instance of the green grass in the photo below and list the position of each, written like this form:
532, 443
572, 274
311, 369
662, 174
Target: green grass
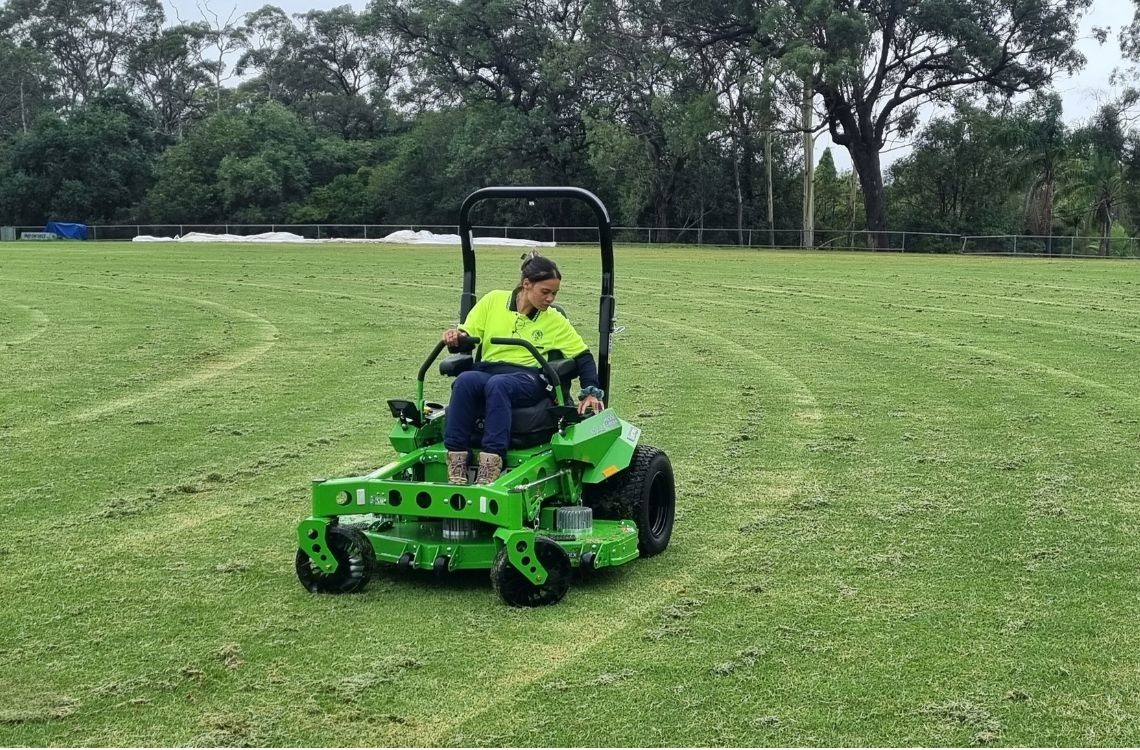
908, 504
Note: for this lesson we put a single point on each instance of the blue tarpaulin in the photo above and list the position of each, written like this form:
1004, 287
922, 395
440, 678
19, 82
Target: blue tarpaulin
66, 230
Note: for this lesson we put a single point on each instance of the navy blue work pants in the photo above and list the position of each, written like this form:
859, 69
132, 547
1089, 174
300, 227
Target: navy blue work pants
490, 390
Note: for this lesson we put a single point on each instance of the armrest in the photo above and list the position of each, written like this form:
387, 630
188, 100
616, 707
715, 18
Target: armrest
455, 364
567, 370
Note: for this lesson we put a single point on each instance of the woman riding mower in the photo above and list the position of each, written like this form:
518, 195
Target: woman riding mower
507, 376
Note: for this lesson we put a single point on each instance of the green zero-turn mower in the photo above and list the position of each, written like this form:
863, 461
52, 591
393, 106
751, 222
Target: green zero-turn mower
575, 492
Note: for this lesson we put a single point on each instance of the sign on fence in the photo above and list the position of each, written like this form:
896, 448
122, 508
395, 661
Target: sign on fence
38, 236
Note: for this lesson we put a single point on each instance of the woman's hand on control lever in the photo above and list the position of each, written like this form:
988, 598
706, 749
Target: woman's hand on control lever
451, 337
591, 403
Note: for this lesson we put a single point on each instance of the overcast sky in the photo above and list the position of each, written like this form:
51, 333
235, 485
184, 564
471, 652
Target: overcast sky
1080, 92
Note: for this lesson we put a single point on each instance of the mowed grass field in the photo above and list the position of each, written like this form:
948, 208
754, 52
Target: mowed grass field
908, 504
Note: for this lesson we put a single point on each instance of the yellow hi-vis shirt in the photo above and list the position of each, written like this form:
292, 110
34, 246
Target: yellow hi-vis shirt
495, 316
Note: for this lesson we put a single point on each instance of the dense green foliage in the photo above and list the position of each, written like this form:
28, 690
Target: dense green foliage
910, 518
681, 114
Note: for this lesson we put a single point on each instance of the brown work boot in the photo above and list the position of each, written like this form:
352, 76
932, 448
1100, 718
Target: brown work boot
490, 467
457, 467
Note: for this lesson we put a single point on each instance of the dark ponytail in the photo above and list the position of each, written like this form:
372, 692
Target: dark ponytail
537, 268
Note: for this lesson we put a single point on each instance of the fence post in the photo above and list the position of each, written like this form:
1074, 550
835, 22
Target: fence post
1015, 244
552, 239
904, 242
181, 231
749, 238
318, 231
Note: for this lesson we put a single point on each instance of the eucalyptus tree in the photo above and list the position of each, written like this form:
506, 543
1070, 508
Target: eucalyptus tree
880, 61
333, 67
518, 68
251, 164
170, 73
25, 88
87, 42
875, 63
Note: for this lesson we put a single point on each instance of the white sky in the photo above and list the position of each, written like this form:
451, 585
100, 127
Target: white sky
1080, 93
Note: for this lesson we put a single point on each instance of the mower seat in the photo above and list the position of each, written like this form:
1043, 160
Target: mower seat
535, 425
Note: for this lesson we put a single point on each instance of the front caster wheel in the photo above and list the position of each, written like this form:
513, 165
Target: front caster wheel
517, 591
354, 556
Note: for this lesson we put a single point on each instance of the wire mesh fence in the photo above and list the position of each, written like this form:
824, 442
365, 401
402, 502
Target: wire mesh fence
1051, 246
819, 239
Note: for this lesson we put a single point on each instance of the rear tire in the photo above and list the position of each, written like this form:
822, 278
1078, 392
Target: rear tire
644, 492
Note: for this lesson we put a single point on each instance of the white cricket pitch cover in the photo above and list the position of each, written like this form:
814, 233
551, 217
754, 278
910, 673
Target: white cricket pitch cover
400, 237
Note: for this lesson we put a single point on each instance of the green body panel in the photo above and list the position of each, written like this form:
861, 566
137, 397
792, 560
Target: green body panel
406, 438
604, 442
311, 538
519, 544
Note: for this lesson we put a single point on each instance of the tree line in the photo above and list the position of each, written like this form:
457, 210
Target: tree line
678, 113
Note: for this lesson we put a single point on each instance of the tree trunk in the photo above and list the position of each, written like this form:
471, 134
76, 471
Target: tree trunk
865, 161
23, 107
739, 197
808, 236
851, 213
771, 192
742, 169
1050, 195
1105, 233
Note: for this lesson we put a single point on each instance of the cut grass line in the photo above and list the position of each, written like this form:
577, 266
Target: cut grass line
896, 291
585, 640
1099, 293
944, 343
268, 335
802, 394
331, 294
553, 658
39, 320
925, 306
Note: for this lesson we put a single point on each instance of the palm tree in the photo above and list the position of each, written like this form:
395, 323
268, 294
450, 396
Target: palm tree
1039, 143
1094, 193
1094, 184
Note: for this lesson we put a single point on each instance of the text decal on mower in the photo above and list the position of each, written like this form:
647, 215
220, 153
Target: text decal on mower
608, 423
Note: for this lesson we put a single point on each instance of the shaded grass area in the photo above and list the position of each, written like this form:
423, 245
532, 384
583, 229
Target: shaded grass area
907, 504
